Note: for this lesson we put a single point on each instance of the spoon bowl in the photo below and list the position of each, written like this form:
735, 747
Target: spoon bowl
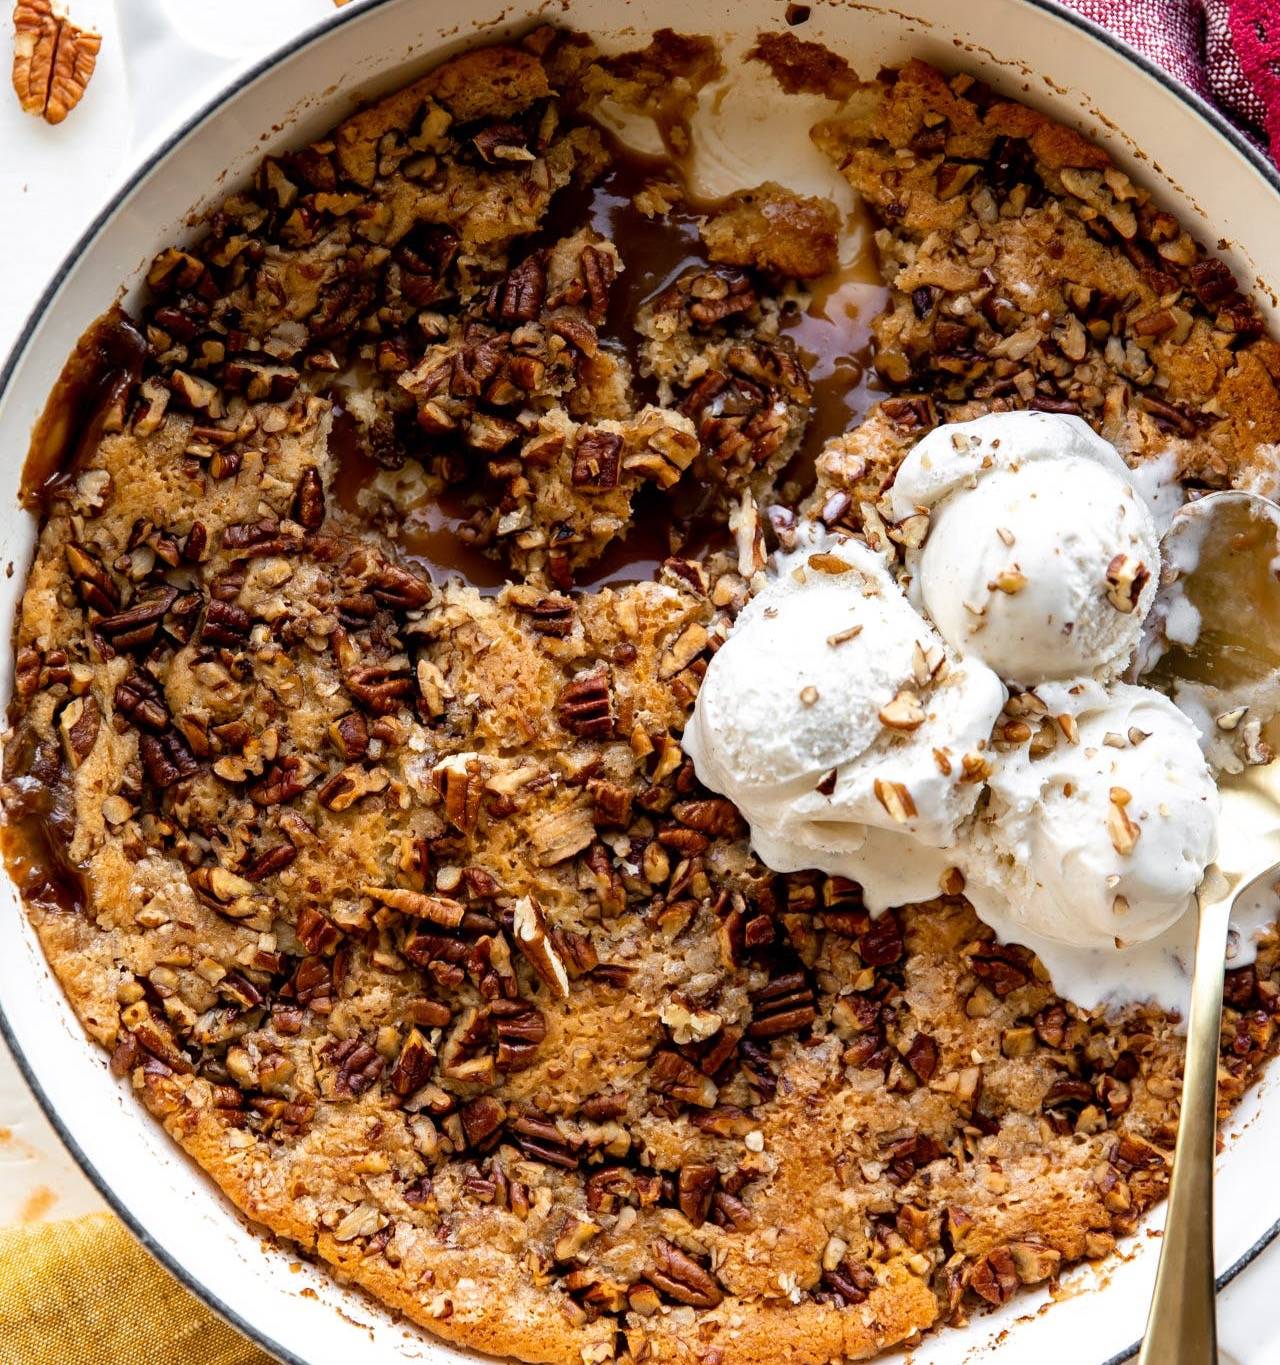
1218, 623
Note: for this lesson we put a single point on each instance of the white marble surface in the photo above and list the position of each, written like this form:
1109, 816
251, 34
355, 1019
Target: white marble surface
155, 67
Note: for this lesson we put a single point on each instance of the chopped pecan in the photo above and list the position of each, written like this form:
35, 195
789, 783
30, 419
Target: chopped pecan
155, 1036
78, 724
882, 944
995, 1277
96, 587
312, 984
26, 673
910, 413
1126, 578
288, 777
698, 1180
357, 1063
1004, 968
850, 1281
922, 1056
908, 1155
677, 1275
413, 1066
1212, 282
342, 789
317, 933
1033, 1261
350, 735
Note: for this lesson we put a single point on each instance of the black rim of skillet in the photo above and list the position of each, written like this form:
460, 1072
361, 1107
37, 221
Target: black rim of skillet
1228, 132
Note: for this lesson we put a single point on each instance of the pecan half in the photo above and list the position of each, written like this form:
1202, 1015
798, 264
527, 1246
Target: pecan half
585, 706
140, 623
520, 1028
597, 460
786, 1004
140, 698
670, 1074
540, 1138
225, 624
378, 688
534, 941
439, 910
308, 499
520, 296
53, 60
551, 615
677, 1275
166, 758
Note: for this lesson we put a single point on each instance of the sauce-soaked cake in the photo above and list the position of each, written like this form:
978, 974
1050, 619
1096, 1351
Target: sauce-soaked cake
389, 889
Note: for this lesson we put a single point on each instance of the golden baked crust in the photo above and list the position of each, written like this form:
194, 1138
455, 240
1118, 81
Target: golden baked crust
398, 903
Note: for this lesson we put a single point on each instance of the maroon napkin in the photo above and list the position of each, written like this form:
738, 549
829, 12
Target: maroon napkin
1227, 51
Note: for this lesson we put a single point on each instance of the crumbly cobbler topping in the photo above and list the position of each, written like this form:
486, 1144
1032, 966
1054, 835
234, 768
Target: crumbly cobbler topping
396, 899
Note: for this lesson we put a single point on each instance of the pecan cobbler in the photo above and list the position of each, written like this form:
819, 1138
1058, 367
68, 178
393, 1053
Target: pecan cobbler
345, 782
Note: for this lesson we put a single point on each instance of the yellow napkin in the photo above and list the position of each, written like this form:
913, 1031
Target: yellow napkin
84, 1292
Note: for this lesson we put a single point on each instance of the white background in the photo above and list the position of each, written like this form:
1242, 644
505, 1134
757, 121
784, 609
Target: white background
160, 59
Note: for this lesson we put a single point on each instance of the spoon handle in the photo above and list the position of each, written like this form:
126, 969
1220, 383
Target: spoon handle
1182, 1328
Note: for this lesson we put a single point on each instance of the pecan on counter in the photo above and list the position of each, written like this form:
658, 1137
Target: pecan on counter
53, 59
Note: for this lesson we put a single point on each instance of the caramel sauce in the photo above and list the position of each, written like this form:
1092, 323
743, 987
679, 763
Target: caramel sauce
35, 838
1236, 589
833, 336
89, 398
37, 865
93, 387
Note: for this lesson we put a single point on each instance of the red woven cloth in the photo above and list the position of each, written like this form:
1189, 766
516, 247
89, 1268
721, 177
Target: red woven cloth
1226, 50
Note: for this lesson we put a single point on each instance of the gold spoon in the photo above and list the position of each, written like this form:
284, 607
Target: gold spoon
1221, 554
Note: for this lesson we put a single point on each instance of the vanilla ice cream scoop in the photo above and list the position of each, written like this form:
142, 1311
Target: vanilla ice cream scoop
1041, 557
833, 712
1102, 841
